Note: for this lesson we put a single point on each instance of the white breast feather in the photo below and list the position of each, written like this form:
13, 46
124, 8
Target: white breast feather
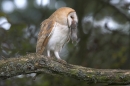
58, 38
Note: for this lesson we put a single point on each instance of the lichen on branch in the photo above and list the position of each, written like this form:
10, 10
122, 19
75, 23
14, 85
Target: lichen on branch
35, 63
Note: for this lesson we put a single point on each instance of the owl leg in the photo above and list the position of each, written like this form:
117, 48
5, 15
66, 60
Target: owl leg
48, 53
57, 55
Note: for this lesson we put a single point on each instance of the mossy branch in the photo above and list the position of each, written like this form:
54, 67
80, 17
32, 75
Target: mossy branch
34, 63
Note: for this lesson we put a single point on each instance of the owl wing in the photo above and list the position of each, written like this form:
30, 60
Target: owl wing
46, 31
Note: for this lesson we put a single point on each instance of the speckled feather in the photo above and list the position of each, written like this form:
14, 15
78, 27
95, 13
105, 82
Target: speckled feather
44, 35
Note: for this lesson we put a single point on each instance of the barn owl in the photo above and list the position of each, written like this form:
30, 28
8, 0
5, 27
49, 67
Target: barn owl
57, 30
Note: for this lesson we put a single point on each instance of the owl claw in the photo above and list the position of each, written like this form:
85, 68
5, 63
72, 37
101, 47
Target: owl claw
62, 61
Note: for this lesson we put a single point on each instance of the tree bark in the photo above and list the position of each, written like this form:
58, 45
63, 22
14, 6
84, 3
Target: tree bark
34, 63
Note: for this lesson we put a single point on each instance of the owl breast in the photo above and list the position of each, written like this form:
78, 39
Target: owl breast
58, 38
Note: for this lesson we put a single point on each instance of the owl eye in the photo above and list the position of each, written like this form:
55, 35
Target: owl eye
72, 17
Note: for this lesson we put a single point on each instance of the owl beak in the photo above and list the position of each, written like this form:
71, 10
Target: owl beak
74, 31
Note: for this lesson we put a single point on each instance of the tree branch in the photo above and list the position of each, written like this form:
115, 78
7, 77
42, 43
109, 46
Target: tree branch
34, 63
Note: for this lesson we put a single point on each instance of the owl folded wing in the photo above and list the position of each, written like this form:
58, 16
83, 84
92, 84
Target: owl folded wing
46, 31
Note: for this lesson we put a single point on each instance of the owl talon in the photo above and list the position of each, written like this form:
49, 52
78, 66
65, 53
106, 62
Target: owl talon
62, 61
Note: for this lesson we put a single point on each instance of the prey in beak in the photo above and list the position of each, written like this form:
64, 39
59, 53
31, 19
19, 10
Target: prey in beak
73, 34
72, 23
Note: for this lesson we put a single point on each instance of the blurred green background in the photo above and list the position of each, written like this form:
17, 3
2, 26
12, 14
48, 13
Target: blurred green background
103, 31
